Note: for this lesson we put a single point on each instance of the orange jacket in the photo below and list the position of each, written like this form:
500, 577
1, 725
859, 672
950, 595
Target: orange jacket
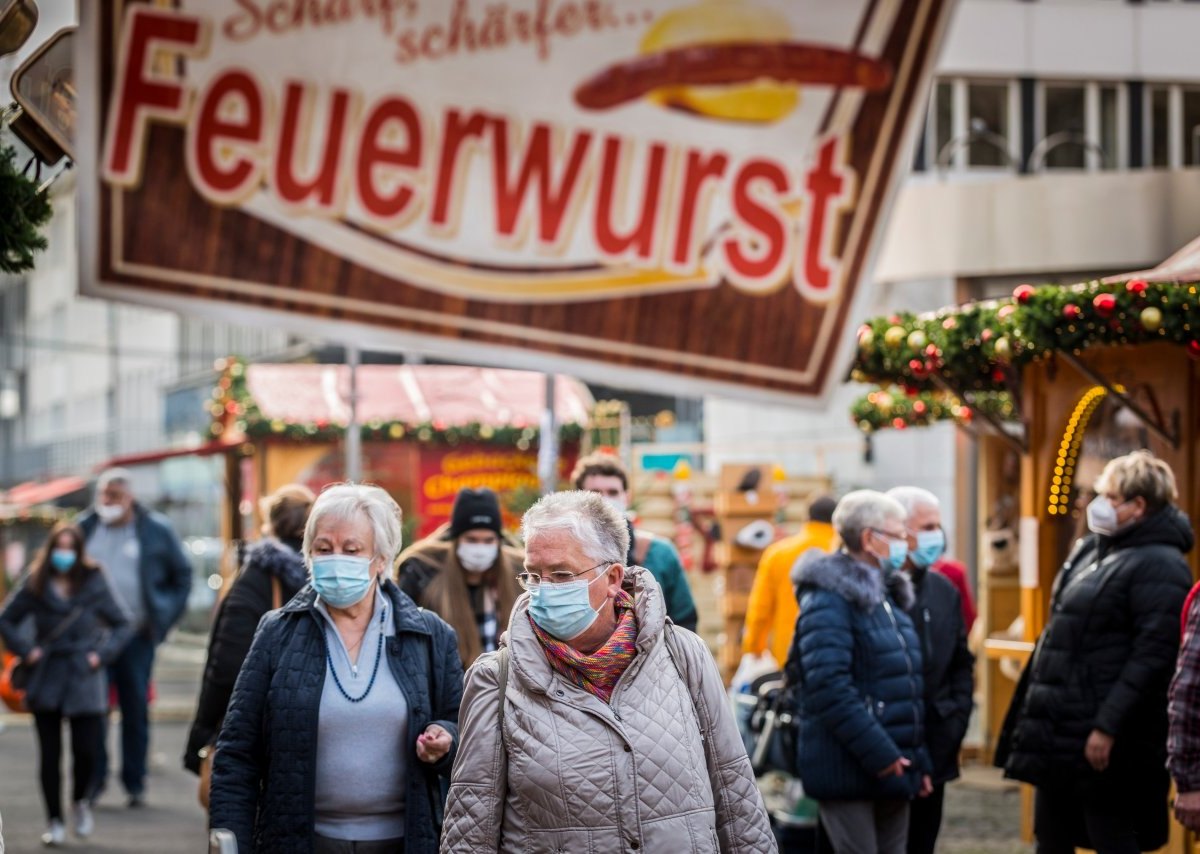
772, 610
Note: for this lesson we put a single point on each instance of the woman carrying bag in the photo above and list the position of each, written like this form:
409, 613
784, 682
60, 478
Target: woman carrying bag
79, 627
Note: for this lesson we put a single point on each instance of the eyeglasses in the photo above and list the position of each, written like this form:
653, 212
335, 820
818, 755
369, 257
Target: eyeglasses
530, 580
897, 538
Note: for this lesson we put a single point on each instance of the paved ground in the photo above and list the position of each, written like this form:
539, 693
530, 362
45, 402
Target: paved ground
982, 813
171, 823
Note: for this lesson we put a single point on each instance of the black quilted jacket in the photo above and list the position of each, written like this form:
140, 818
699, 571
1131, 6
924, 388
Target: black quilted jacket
263, 784
1104, 662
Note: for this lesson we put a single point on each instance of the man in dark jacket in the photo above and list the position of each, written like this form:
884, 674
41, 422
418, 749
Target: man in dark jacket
949, 666
1088, 724
152, 577
856, 664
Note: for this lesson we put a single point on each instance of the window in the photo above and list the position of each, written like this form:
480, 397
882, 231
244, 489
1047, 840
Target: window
1064, 126
971, 124
943, 106
1191, 127
988, 123
1158, 127
1111, 139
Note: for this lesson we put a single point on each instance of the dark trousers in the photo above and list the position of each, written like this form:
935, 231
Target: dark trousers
1060, 816
130, 673
925, 820
325, 845
86, 731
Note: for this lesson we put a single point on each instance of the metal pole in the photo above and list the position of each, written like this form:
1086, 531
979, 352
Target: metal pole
114, 381
353, 433
548, 443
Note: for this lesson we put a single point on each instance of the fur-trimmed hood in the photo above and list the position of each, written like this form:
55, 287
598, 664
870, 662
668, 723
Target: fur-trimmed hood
863, 586
279, 560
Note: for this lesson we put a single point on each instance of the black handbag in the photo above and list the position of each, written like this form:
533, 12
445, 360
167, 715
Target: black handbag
775, 724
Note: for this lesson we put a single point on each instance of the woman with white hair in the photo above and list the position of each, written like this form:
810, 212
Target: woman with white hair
598, 725
1088, 724
856, 665
346, 709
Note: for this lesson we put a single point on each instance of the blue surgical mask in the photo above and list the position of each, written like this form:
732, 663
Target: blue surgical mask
897, 553
62, 559
564, 610
931, 545
341, 580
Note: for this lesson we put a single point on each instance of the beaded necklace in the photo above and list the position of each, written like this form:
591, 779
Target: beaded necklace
374, 670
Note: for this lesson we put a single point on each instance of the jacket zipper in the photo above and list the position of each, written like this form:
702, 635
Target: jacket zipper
912, 682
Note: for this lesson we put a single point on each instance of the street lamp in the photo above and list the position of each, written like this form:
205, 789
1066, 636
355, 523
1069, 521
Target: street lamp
44, 87
17, 20
1037, 157
979, 132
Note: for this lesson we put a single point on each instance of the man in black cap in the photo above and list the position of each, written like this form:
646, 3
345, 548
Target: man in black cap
465, 573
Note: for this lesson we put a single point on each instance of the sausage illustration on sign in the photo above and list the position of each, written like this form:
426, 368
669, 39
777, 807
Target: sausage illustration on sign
721, 64
734, 60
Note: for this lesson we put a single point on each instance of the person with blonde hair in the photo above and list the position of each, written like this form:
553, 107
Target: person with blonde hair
344, 716
465, 573
272, 573
1088, 723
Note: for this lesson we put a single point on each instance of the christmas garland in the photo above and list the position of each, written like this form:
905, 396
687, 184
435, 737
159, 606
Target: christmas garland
899, 409
232, 406
23, 212
981, 346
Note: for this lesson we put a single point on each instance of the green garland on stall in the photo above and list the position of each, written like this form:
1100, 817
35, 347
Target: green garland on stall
897, 409
979, 346
232, 398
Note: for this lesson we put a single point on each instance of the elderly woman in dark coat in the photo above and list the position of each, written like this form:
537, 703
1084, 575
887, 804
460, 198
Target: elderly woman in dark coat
1088, 725
79, 627
345, 712
272, 574
856, 664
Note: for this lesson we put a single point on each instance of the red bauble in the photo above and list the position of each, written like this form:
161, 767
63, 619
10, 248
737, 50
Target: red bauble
1071, 311
911, 390
932, 351
1193, 349
918, 368
986, 335
919, 407
949, 323
1137, 287
965, 414
1023, 293
898, 423
1105, 304
998, 375
894, 320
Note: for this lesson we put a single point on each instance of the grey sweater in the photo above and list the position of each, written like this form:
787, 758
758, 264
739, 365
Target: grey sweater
362, 747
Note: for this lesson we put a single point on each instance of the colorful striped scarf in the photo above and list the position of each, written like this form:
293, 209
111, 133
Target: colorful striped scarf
596, 673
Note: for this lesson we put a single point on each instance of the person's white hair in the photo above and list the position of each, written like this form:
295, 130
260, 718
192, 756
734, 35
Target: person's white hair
863, 510
353, 500
119, 476
600, 530
913, 497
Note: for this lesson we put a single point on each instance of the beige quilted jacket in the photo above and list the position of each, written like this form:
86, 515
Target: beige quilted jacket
589, 778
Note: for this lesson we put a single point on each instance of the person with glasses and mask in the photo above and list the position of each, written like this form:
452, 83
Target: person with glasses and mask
856, 668
466, 573
598, 725
949, 665
344, 716
1088, 723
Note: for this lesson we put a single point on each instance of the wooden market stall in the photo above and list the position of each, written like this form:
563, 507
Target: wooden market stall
427, 431
1056, 381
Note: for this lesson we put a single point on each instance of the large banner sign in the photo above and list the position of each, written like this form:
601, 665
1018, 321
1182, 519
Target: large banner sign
681, 194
